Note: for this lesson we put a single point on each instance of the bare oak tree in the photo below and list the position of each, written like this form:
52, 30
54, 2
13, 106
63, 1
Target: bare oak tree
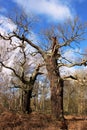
20, 67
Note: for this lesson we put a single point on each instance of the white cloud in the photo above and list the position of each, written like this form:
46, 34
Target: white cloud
54, 9
6, 25
70, 55
65, 71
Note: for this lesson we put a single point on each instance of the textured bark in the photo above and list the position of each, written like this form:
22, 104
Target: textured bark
56, 85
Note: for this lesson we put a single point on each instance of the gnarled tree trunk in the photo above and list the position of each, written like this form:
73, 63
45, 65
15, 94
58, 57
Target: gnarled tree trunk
56, 85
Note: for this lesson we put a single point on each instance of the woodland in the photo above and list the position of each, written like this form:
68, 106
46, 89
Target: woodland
43, 86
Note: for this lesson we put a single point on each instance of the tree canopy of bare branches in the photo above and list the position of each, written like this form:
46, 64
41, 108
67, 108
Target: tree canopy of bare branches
61, 37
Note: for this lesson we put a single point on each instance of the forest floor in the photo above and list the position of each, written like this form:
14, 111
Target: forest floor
38, 121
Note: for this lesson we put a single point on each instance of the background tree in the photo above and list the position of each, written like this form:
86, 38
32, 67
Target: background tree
75, 93
4, 92
19, 69
70, 97
82, 89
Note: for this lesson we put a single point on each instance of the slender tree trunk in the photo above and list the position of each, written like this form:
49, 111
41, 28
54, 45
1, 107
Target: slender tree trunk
56, 85
27, 101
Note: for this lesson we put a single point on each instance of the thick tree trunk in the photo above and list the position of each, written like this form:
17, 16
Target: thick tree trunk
26, 101
56, 85
57, 100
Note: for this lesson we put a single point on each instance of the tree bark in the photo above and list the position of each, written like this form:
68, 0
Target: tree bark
56, 85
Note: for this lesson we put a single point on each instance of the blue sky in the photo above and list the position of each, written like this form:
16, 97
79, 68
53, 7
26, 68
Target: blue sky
48, 11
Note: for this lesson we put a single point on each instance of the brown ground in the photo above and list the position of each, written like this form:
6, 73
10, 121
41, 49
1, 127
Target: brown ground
38, 121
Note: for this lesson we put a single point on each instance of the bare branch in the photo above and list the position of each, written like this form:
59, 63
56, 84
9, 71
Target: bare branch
66, 60
23, 38
72, 31
84, 62
70, 77
36, 72
10, 69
